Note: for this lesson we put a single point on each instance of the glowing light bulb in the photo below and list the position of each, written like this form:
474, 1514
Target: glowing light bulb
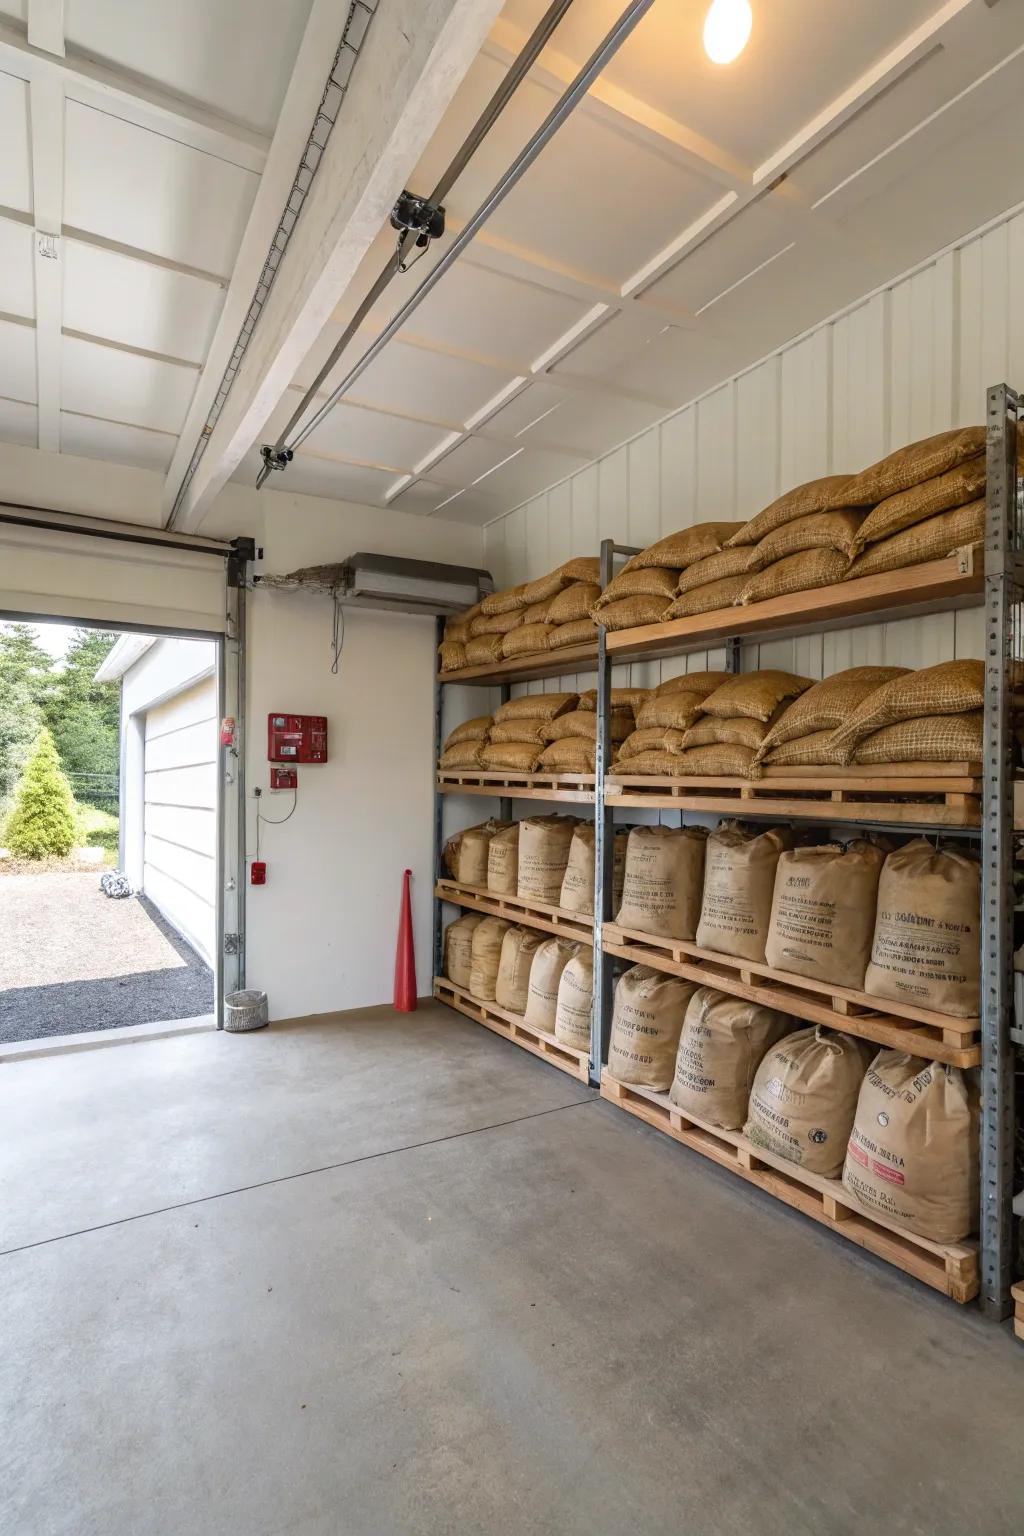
726, 30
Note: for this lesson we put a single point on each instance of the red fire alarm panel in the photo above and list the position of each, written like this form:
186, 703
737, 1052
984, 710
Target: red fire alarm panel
296, 739
284, 778
258, 872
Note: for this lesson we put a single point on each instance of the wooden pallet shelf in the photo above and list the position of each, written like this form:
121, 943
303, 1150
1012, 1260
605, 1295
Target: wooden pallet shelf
532, 914
525, 669
1017, 1292
577, 788
537, 1041
951, 1268
898, 1026
937, 586
915, 794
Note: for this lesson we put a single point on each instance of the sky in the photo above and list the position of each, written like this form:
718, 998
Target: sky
54, 638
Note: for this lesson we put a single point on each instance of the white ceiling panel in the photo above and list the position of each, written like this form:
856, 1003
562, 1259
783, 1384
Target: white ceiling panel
590, 423
149, 192
138, 303
114, 442
372, 437
477, 310
673, 366
420, 383
234, 56
15, 160
124, 387
17, 361
757, 234
502, 471
17, 280
18, 423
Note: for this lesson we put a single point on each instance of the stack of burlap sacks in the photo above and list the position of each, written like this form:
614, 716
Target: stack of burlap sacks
902, 926
547, 614
545, 732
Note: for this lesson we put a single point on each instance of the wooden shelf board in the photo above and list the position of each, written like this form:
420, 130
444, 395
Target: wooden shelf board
951, 1268
537, 1041
525, 669
577, 788
934, 587
533, 914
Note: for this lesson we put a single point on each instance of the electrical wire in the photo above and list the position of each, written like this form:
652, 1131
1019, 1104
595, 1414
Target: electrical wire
337, 634
271, 821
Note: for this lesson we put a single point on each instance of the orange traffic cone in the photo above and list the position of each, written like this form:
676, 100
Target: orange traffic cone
405, 955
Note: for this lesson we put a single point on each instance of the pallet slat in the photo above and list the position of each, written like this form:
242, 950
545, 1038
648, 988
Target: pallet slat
951, 1268
576, 788
1017, 1292
524, 669
537, 1041
533, 914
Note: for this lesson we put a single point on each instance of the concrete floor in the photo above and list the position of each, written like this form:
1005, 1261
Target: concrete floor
392, 1275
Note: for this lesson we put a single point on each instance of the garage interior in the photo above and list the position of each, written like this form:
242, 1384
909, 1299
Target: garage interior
389, 1270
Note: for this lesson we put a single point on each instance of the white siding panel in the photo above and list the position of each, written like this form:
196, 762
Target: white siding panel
678, 470
188, 747
757, 438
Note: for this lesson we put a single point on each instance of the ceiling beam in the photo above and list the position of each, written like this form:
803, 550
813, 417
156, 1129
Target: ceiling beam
413, 59
46, 25
46, 114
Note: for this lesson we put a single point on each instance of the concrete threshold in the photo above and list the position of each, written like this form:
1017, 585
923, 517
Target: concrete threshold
93, 1039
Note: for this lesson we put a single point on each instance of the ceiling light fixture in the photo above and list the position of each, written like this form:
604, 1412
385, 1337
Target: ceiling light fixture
727, 29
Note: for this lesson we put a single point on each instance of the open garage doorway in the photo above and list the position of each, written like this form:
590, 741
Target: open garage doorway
109, 831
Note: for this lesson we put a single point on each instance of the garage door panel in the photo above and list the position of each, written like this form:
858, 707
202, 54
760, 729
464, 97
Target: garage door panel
194, 705
182, 786
193, 917
193, 872
188, 747
187, 826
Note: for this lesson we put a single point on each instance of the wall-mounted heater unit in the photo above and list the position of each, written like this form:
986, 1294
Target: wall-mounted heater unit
392, 582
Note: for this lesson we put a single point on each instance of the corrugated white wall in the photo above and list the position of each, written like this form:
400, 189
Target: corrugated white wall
910, 360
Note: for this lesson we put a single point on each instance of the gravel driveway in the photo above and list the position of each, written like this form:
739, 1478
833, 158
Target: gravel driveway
72, 959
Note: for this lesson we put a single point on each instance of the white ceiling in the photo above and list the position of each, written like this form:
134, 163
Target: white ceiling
650, 252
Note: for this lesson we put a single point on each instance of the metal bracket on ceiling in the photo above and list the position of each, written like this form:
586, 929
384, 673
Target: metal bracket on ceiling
417, 216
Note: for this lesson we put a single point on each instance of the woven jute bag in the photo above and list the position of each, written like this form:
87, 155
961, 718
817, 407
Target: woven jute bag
535, 706
621, 698
465, 854
578, 632
955, 488
926, 945
931, 739
699, 683
537, 613
652, 738
796, 573
820, 530
458, 947
508, 600
728, 562
722, 1041
934, 539
804, 1098
485, 957
757, 695
577, 893
663, 881
526, 639
677, 551
549, 961
573, 603
583, 723
719, 760
496, 623
575, 1001
457, 625
570, 754
452, 655
649, 581
653, 761
519, 730
908, 466
503, 862
739, 879
823, 911
708, 598
913, 1151
483, 649
544, 588
669, 711
516, 756
470, 730
735, 730
631, 612
543, 854
827, 705
647, 1019
464, 754
815, 750
512, 987
949, 688
823, 495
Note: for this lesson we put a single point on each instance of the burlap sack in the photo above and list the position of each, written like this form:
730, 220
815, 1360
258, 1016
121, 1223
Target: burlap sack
654, 762
577, 893
512, 987
699, 683
823, 912
736, 730
485, 957
537, 613
573, 603
583, 723
722, 1041
728, 562
531, 731
525, 640
722, 759
452, 654
483, 649
495, 623
757, 695
955, 488
543, 854
621, 698
804, 1098
739, 879
822, 495
708, 598
647, 1019
464, 754
817, 749
508, 600
581, 632
933, 739
631, 612
926, 946
661, 892
913, 464
544, 588
549, 961
649, 581
669, 711
821, 530
458, 947
575, 1001
677, 551
516, 756
797, 573
570, 754
828, 704
913, 1151
457, 625
503, 862
950, 688
469, 730
652, 738
933, 539
535, 706
465, 853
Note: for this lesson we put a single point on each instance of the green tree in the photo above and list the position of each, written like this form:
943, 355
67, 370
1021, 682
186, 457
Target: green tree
44, 819
25, 670
82, 714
